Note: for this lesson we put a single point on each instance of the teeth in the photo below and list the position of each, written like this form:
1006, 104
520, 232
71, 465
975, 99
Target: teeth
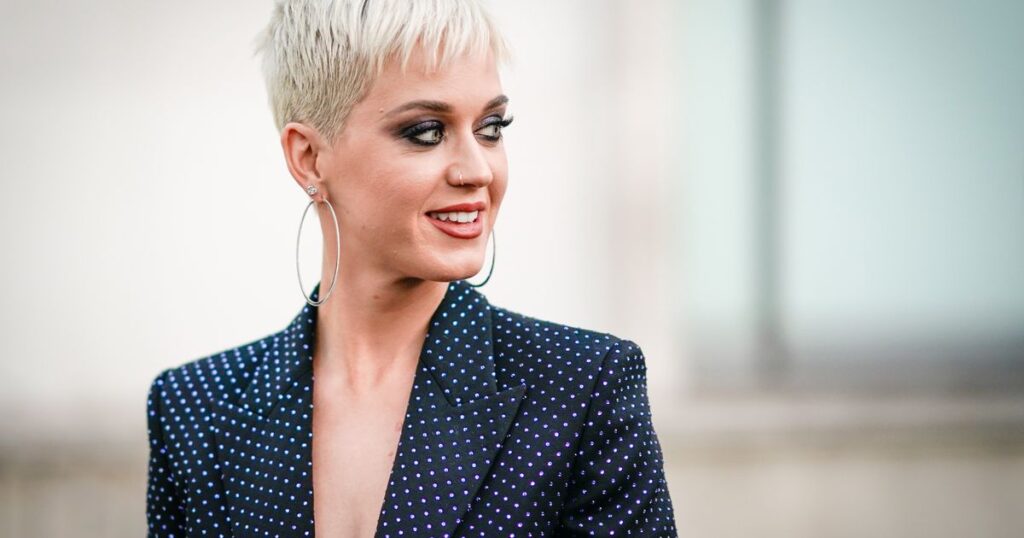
456, 216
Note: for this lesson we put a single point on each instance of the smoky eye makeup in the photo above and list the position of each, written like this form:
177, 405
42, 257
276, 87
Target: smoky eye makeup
431, 132
498, 124
424, 133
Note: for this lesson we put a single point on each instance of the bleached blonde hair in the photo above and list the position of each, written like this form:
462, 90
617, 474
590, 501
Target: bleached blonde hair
320, 57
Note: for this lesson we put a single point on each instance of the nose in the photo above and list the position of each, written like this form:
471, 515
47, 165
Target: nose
470, 167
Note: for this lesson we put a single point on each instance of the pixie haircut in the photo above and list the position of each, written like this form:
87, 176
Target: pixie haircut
320, 57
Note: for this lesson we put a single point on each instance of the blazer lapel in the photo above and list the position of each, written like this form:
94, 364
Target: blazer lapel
455, 423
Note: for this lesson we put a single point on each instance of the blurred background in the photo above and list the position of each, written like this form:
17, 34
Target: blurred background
808, 213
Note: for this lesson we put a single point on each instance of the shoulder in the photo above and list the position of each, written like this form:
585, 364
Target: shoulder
535, 347
220, 375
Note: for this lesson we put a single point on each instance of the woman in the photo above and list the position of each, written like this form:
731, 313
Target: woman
433, 412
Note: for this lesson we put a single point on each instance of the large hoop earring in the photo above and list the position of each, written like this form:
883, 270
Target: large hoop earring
494, 251
311, 190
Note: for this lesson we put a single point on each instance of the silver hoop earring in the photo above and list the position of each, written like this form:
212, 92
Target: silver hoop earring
311, 190
494, 251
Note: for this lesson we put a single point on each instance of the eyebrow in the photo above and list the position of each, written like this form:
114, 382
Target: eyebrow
442, 107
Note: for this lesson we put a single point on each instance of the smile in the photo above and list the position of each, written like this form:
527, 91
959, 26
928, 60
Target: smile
455, 216
458, 224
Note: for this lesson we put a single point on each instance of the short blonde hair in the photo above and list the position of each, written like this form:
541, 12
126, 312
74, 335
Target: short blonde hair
320, 57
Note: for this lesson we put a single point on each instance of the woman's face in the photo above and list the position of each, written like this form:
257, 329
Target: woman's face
399, 159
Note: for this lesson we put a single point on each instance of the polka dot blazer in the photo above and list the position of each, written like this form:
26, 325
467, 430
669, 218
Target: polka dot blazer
515, 427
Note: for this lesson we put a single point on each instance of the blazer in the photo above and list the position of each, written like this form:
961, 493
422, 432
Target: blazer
515, 426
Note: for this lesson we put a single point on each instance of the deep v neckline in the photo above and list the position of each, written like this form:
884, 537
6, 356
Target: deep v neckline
456, 419
357, 433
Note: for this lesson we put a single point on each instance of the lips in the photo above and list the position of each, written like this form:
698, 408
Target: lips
460, 230
466, 207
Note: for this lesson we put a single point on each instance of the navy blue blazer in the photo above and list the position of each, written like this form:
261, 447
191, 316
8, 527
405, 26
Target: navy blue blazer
515, 427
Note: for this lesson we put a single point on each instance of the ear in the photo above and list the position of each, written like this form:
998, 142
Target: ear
302, 146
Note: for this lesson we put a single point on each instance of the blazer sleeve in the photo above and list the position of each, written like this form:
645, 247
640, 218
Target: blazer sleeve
618, 483
165, 508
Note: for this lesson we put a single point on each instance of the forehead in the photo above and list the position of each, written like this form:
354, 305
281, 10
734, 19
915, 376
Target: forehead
466, 82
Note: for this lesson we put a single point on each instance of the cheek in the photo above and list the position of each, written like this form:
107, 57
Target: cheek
398, 198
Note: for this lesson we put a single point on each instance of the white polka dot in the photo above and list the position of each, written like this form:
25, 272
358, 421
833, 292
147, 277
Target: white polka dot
516, 426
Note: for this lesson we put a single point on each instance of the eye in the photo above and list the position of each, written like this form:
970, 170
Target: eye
494, 128
428, 133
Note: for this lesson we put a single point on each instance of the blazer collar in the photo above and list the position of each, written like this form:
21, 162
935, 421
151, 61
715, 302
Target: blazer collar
455, 423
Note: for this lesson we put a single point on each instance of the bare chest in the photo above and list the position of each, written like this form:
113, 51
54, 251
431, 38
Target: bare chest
354, 445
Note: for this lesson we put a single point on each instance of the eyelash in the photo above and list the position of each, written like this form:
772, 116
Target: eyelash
428, 126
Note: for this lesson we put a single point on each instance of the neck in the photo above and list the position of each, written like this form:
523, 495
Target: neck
372, 327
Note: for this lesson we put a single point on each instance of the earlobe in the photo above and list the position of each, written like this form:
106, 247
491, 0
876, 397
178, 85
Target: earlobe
315, 192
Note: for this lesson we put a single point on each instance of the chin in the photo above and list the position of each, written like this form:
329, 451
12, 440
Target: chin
449, 273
